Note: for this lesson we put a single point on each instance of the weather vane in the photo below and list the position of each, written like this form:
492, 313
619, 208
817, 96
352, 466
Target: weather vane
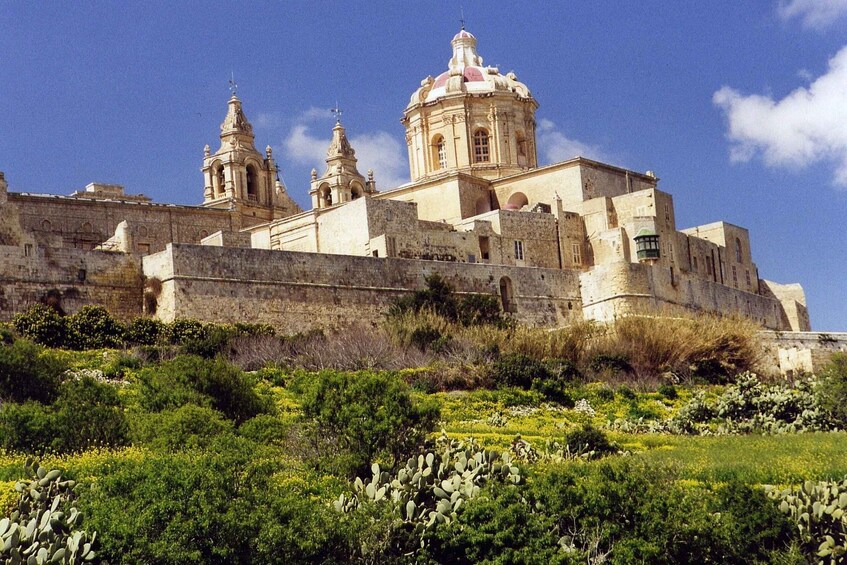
337, 112
462, 19
233, 87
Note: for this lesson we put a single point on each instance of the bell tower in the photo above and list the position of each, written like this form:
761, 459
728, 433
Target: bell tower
342, 181
238, 177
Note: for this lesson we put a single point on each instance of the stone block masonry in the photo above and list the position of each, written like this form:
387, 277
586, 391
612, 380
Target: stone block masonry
70, 279
296, 291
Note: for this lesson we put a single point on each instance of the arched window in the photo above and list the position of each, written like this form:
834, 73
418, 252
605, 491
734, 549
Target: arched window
480, 146
355, 191
220, 182
439, 153
737, 250
252, 183
325, 196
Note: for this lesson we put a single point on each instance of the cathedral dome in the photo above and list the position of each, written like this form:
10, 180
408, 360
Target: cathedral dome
466, 74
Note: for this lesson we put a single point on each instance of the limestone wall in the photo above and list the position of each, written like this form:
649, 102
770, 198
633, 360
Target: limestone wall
620, 288
299, 291
59, 221
70, 278
801, 352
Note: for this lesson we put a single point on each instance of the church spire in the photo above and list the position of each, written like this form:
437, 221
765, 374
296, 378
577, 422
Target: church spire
235, 122
339, 147
342, 181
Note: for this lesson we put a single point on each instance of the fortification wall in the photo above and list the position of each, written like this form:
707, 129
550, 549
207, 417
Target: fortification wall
800, 352
620, 288
69, 278
300, 291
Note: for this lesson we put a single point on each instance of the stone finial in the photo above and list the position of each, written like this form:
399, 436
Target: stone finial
207, 151
269, 152
370, 174
314, 174
651, 174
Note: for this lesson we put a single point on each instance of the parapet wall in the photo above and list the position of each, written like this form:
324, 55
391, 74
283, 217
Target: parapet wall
296, 291
70, 279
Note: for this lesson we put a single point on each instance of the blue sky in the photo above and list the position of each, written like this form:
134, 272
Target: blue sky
739, 107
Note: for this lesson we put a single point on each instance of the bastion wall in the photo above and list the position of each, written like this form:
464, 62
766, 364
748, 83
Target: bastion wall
296, 291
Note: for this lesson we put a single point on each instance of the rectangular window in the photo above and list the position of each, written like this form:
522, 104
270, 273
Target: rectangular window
734, 276
143, 248
484, 248
27, 250
749, 282
667, 215
576, 252
519, 250
642, 211
670, 251
471, 258
695, 264
390, 246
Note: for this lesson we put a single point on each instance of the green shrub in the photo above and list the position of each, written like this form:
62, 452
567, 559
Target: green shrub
479, 310
144, 331
183, 330
264, 429
119, 364
89, 414
212, 343
668, 391
832, 388
223, 505
357, 418
610, 362
605, 394
626, 393
7, 334
212, 383
43, 325
438, 297
588, 439
186, 427
93, 328
29, 372
29, 427
426, 337
518, 370
554, 389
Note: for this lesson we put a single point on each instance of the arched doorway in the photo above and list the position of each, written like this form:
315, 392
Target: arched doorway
507, 296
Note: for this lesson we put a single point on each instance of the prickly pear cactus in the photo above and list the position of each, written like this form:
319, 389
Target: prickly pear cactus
819, 511
41, 528
430, 489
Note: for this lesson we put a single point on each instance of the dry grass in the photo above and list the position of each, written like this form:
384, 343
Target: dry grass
646, 348
700, 345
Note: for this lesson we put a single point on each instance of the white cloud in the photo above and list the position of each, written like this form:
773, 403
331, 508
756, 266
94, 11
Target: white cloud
269, 120
816, 14
554, 146
378, 150
807, 126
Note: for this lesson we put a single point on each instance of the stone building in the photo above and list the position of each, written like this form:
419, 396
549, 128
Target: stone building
572, 240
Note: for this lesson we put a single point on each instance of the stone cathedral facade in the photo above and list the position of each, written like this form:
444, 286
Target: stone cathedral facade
569, 241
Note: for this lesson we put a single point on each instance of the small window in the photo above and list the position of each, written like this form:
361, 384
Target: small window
480, 146
471, 258
144, 248
694, 264
376, 253
576, 252
27, 250
667, 215
749, 282
734, 276
484, 248
519, 256
738, 255
46, 225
